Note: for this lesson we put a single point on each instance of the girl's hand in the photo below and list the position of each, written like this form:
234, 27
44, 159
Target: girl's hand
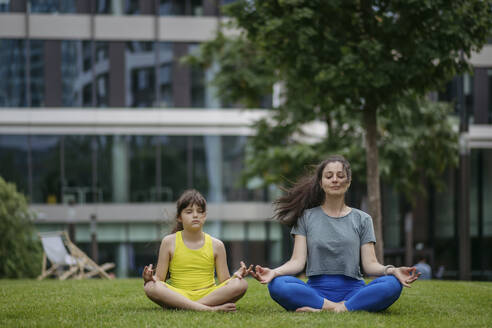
406, 275
147, 274
263, 275
242, 271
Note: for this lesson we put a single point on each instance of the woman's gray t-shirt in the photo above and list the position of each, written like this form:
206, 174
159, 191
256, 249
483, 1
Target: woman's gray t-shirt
333, 244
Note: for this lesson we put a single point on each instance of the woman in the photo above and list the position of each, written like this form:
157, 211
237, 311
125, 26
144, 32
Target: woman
333, 238
191, 257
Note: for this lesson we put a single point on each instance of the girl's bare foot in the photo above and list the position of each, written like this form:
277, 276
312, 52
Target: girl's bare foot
227, 307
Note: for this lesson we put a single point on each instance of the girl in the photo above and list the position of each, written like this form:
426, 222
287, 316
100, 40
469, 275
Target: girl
191, 257
332, 238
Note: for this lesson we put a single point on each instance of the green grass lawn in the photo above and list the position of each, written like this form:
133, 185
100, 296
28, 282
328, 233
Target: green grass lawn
122, 303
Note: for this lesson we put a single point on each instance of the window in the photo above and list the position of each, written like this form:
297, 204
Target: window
12, 70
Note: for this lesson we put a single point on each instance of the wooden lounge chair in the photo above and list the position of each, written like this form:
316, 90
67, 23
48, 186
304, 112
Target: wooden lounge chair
72, 263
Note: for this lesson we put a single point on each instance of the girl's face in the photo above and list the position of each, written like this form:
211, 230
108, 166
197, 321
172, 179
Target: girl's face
193, 217
334, 179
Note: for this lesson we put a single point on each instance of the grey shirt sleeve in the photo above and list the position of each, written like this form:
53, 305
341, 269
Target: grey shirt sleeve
300, 228
367, 231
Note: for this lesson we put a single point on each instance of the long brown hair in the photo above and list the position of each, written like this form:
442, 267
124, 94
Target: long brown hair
187, 198
306, 193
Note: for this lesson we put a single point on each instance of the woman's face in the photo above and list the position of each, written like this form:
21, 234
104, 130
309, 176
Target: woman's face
193, 217
334, 179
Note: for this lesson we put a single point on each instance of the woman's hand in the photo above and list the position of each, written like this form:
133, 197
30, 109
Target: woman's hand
242, 271
263, 275
406, 275
147, 274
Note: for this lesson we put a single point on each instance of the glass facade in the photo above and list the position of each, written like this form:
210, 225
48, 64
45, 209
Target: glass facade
140, 72
489, 75
481, 211
181, 7
101, 73
171, 7
78, 183
165, 67
13, 73
37, 74
79, 73
449, 93
445, 220
54, 169
4, 6
76, 74
44, 163
13, 160
197, 90
52, 6
121, 7
117, 7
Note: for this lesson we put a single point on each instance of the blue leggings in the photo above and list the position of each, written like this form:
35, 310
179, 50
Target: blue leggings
292, 293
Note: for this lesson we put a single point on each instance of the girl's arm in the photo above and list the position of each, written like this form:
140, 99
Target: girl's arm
372, 267
220, 261
291, 267
165, 253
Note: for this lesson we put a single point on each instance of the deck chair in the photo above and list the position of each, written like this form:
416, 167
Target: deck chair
72, 263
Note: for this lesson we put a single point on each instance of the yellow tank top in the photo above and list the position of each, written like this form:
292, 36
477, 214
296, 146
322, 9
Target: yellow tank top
192, 268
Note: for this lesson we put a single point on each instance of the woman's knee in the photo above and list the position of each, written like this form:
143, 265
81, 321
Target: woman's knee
279, 286
396, 284
393, 286
275, 285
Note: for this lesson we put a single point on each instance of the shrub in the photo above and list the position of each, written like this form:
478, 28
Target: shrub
20, 250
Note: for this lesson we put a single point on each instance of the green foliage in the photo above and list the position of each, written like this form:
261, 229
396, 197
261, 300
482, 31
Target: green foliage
122, 303
337, 59
282, 149
419, 140
361, 53
20, 251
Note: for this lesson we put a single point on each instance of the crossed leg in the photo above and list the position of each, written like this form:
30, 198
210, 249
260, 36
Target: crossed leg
294, 294
221, 299
229, 293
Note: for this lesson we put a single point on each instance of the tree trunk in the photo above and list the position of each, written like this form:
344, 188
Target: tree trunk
373, 188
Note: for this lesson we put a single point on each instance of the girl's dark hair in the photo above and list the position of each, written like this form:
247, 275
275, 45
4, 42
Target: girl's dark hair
187, 198
306, 193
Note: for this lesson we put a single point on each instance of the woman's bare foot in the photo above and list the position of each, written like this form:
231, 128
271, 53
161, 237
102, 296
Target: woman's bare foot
307, 309
227, 307
327, 306
340, 307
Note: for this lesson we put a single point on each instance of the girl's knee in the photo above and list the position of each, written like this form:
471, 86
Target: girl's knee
149, 288
236, 287
239, 286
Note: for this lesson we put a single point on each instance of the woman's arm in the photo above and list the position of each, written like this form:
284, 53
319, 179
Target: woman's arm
291, 267
372, 267
165, 253
220, 261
